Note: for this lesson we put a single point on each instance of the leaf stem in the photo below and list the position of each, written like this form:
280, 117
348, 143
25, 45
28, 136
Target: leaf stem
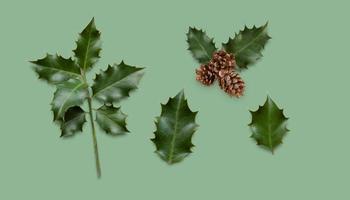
94, 139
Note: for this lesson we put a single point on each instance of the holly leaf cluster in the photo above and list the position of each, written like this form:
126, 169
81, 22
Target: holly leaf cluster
246, 46
68, 75
243, 50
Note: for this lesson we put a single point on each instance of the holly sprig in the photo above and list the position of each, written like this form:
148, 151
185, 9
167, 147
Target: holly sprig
68, 75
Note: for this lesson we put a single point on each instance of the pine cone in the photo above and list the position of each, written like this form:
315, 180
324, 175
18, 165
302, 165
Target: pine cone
205, 75
222, 60
231, 83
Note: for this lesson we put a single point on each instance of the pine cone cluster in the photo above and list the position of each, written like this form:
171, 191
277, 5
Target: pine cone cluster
222, 67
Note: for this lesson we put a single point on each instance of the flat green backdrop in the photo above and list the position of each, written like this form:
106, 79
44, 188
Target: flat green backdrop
305, 69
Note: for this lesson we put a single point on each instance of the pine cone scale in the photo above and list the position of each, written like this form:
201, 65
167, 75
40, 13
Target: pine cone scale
205, 75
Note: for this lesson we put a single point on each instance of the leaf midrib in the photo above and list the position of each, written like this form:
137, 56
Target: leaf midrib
111, 85
201, 46
68, 97
60, 70
107, 116
249, 43
172, 144
87, 48
74, 118
269, 127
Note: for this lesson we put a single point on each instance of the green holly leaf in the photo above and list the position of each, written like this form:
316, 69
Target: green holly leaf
68, 94
200, 45
88, 47
269, 125
247, 45
74, 119
116, 83
175, 128
55, 69
111, 120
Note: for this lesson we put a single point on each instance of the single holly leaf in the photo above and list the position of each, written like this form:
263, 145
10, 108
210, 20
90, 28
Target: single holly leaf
116, 83
200, 45
247, 45
74, 119
111, 120
88, 47
175, 128
269, 125
55, 69
68, 94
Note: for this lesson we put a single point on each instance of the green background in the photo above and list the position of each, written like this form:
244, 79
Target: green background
304, 69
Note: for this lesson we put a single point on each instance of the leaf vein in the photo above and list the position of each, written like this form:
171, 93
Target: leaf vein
66, 99
202, 47
249, 43
87, 48
172, 144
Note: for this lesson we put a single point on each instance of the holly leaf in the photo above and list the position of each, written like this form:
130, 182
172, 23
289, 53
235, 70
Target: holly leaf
88, 47
175, 128
56, 69
269, 125
111, 120
74, 119
247, 45
116, 83
200, 45
68, 94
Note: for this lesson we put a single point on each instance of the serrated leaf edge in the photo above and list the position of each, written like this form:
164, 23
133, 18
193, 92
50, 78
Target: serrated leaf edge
268, 99
246, 28
205, 34
119, 109
59, 113
264, 27
90, 25
113, 67
36, 65
80, 130
172, 145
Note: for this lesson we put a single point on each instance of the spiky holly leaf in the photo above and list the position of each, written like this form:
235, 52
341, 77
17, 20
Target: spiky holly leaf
111, 120
116, 82
68, 94
88, 47
201, 46
175, 128
55, 69
269, 125
247, 45
74, 119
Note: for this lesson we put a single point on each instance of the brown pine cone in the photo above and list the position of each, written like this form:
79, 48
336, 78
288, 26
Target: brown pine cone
222, 60
205, 75
231, 83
